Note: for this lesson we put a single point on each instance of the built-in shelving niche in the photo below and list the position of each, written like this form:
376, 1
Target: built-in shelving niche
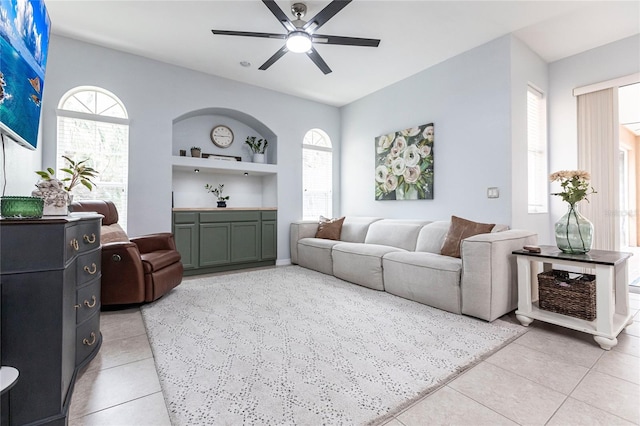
248, 184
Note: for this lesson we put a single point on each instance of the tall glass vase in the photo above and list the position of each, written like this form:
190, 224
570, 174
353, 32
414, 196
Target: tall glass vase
574, 232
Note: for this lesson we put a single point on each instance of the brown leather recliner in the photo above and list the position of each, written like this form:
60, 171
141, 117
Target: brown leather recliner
135, 270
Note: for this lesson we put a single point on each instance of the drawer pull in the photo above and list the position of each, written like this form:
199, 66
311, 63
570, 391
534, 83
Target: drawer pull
74, 244
89, 239
116, 258
90, 304
86, 341
91, 270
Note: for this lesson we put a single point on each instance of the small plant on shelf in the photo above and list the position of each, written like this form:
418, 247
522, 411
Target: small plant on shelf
257, 147
196, 151
222, 199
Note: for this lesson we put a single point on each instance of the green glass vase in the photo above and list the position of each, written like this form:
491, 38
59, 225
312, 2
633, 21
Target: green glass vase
574, 232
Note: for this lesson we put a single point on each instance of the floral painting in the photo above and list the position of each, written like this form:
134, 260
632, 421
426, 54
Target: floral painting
404, 164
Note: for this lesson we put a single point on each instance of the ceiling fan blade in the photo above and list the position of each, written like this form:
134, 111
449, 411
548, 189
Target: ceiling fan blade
324, 15
346, 41
279, 54
279, 14
249, 34
317, 59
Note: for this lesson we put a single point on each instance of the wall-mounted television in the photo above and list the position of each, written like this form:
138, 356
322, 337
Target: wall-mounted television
24, 43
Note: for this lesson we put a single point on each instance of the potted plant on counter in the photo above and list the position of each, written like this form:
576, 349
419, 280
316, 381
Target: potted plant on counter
258, 148
222, 200
196, 151
56, 192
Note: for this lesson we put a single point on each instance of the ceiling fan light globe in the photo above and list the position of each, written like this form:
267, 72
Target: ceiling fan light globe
299, 42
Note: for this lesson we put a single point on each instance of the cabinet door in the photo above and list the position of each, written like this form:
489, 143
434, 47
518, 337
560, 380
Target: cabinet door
269, 240
186, 238
245, 242
215, 244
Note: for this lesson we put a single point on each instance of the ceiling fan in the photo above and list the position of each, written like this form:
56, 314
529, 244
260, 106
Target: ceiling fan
301, 35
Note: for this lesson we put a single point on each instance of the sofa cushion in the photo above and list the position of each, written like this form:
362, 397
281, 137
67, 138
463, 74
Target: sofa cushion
157, 260
427, 278
315, 253
458, 231
432, 236
113, 234
329, 229
354, 229
394, 233
360, 263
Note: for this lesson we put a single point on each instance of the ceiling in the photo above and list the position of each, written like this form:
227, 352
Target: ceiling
415, 35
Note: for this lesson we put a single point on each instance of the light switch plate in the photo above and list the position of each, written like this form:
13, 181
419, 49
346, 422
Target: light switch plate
493, 192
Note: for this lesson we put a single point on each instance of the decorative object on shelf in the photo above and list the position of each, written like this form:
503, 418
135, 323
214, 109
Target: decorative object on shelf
222, 136
183, 153
196, 151
258, 148
221, 157
574, 232
404, 164
56, 192
222, 200
21, 207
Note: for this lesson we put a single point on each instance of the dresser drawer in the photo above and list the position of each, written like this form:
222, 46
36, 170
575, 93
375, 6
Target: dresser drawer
88, 234
88, 267
87, 300
88, 337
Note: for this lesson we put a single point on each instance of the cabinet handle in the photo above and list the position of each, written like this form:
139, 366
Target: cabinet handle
86, 341
92, 303
91, 270
74, 244
89, 239
116, 258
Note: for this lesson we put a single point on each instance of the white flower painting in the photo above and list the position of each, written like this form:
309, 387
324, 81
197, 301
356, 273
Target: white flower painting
404, 164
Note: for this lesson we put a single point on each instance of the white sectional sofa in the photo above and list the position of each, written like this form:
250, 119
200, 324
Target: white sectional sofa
402, 257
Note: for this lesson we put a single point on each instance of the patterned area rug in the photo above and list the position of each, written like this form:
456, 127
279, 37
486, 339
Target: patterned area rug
291, 346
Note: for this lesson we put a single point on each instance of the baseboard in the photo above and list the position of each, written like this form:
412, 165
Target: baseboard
283, 262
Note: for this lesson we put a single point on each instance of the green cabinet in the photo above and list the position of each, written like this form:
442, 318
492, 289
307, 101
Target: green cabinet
219, 240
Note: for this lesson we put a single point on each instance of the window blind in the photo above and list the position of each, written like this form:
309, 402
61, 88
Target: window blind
537, 169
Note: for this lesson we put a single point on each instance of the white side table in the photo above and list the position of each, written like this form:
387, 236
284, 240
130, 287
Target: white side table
612, 291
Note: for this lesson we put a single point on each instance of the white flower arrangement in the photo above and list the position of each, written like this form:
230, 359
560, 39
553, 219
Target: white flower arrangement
404, 164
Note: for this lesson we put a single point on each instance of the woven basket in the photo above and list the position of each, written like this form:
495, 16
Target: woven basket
559, 293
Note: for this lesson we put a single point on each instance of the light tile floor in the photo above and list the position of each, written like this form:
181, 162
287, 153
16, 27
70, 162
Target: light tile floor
548, 376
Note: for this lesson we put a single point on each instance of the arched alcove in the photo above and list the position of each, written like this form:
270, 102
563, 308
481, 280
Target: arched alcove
249, 185
193, 129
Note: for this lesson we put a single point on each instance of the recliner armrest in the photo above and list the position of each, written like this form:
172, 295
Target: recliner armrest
122, 274
155, 242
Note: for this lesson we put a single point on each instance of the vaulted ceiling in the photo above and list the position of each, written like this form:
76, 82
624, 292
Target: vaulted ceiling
415, 35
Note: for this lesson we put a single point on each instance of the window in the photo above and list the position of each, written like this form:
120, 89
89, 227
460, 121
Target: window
93, 124
316, 175
537, 151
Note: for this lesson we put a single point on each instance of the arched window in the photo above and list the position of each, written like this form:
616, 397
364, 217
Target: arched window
93, 124
316, 175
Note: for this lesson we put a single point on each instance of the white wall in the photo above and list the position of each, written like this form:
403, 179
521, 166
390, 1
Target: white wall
155, 94
468, 100
526, 68
604, 63
19, 165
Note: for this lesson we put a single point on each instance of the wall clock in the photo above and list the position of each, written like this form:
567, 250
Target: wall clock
222, 136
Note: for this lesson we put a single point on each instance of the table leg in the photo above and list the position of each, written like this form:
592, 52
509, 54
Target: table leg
524, 291
604, 300
605, 342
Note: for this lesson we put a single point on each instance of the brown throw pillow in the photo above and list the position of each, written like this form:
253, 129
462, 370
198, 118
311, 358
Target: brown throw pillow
458, 231
329, 229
